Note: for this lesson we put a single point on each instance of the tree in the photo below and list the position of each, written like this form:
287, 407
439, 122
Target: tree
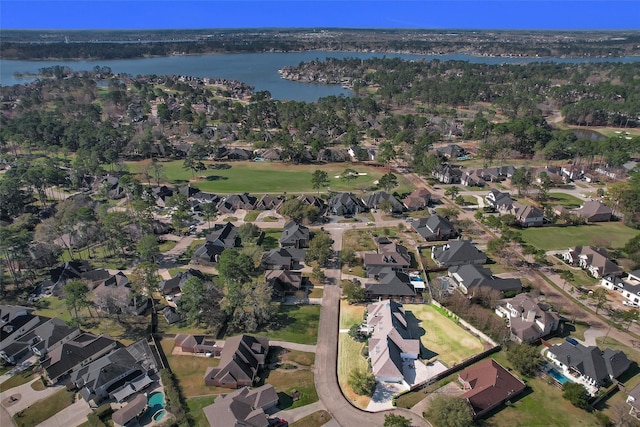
148, 248
320, 249
356, 334
353, 292
452, 192
235, 267
599, 297
363, 382
576, 394
249, 233
209, 210
446, 411
348, 257
144, 280
76, 297
193, 300
317, 274
349, 175
388, 181
566, 276
522, 180
525, 358
319, 179
387, 153
392, 420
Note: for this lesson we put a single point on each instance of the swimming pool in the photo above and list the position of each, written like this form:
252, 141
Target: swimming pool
155, 410
557, 376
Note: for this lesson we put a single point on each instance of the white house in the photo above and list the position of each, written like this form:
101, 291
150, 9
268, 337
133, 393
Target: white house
629, 287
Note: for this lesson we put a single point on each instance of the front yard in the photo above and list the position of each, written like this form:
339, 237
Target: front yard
45, 409
603, 234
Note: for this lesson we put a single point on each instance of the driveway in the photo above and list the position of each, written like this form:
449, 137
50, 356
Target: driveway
28, 396
71, 416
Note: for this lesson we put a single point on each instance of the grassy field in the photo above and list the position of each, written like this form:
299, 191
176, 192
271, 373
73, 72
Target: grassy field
359, 240
316, 292
266, 177
195, 405
564, 199
189, 371
317, 419
350, 314
349, 358
442, 336
607, 234
45, 409
295, 324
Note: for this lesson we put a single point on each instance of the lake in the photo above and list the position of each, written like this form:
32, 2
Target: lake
259, 70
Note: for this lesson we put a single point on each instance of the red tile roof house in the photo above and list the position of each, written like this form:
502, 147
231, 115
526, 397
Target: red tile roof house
487, 385
197, 344
240, 361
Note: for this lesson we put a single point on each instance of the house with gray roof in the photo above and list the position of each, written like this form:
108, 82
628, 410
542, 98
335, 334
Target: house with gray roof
629, 287
452, 151
528, 318
594, 211
242, 408
470, 277
390, 256
391, 284
224, 236
69, 356
595, 260
499, 201
241, 359
392, 348
117, 375
282, 259
589, 366
18, 324
345, 204
294, 235
176, 283
633, 399
528, 216
268, 202
457, 252
374, 200
233, 202
39, 340
448, 175
434, 228
283, 282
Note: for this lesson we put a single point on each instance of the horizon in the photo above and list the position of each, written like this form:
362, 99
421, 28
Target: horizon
457, 15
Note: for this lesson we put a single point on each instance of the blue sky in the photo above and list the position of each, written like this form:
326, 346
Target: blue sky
424, 14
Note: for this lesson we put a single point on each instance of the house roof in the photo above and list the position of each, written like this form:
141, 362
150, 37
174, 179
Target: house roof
374, 200
284, 280
177, 282
596, 257
490, 384
240, 358
130, 411
418, 199
293, 232
345, 200
433, 226
458, 251
591, 361
391, 282
593, 208
472, 276
67, 356
43, 336
242, 408
223, 235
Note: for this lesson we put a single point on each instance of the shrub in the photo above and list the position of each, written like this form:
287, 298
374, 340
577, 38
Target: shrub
363, 382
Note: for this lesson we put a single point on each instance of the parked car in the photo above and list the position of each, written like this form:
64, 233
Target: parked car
630, 304
278, 422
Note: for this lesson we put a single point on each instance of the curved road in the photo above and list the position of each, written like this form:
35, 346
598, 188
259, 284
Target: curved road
326, 366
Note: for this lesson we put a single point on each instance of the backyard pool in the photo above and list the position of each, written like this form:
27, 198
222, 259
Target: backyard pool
557, 376
155, 410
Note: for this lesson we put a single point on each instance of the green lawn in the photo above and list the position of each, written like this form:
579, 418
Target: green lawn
317, 419
359, 240
266, 177
189, 371
608, 234
349, 358
564, 199
45, 409
251, 216
195, 405
18, 379
443, 338
350, 314
295, 324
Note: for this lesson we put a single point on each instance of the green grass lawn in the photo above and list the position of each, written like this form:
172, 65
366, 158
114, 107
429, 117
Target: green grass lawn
18, 379
349, 358
564, 199
45, 409
287, 381
189, 371
266, 177
608, 234
195, 405
442, 336
297, 323
359, 240
251, 216
350, 314
316, 292
317, 419
167, 245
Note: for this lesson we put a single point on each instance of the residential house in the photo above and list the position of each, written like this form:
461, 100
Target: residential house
176, 283
469, 277
310, 200
358, 153
239, 154
633, 399
499, 201
233, 202
39, 340
69, 356
241, 359
224, 236
245, 407
294, 235
373, 201
418, 199
473, 178
132, 410
345, 204
283, 282
390, 256
595, 260
452, 151
528, 319
588, 366
267, 203
171, 315
197, 344
114, 296
18, 323
434, 228
457, 252
528, 216
594, 211
117, 375
629, 287
391, 284
487, 385
282, 259
161, 195
392, 348
448, 175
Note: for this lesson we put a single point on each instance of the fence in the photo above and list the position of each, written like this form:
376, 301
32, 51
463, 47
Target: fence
466, 324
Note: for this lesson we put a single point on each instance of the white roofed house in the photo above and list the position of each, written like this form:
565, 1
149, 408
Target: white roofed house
390, 345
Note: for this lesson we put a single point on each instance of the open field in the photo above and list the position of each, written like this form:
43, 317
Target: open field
443, 338
295, 323
607, 234
349, 358
350, 314
564, 199
268, 177
45, 409
189, 371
